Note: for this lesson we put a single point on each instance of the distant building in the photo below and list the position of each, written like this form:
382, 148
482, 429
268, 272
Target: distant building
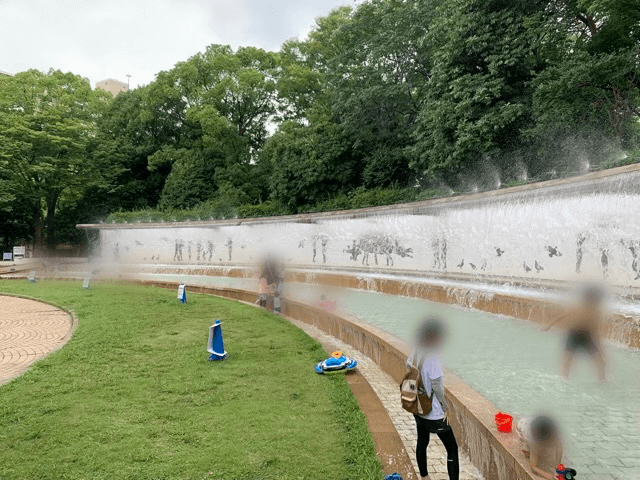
2, 72
112, 86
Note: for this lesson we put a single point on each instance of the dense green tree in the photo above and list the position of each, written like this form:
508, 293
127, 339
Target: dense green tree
240, 86
48, 120
486, 54
380, 79
371, 70
227, 98
138, 124
605, 26
592, 80
380, 98
309, 164
15, 215
309, 158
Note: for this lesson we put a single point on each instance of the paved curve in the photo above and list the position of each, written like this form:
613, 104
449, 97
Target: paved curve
29, 330
387, 390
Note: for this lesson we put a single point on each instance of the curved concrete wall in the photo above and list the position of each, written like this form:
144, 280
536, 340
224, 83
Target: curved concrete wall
583, 227
622, 329
531, 304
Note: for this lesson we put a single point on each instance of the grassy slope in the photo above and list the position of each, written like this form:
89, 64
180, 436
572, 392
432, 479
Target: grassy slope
133, 396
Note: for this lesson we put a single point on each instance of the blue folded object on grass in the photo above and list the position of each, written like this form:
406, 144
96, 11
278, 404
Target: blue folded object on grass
393, 476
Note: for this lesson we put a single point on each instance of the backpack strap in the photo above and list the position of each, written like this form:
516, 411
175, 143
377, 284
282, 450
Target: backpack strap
421, 386
411, 358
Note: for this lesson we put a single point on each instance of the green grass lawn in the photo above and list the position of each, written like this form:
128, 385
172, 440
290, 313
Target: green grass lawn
132, 396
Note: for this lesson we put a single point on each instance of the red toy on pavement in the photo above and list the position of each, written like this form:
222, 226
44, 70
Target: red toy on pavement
564, 473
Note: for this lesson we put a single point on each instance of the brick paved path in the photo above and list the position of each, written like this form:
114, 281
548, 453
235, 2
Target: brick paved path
388, 392
29, 330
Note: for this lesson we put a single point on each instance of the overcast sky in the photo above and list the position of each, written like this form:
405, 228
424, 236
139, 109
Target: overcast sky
102, 39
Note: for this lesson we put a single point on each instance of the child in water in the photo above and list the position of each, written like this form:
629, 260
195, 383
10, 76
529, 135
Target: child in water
583, 324
540, 442
326, 304
262, 292
277, 302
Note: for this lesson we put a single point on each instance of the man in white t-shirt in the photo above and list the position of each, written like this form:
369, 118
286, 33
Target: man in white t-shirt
430, 339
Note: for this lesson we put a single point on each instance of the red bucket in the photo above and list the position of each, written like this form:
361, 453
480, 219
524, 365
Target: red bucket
504, 422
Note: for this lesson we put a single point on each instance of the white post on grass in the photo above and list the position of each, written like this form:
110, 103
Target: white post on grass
182, 293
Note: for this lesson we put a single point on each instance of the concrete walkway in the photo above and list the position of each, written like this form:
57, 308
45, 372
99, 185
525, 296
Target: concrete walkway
29, 330
388, 392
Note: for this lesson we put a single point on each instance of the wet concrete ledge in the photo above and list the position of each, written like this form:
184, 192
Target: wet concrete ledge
622, 329
495, 454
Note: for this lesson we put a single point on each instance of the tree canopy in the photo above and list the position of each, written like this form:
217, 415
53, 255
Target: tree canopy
389, 100
48, 122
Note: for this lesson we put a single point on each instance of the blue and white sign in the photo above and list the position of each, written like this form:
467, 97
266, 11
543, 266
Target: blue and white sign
215, 345
7, 257
182, 293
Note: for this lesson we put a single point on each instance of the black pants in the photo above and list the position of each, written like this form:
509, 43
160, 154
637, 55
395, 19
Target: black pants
444, 431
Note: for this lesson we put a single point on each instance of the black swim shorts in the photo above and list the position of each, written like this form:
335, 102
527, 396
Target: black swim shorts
581, 340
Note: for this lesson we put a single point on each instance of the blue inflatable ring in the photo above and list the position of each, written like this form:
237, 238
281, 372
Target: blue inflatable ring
335, 364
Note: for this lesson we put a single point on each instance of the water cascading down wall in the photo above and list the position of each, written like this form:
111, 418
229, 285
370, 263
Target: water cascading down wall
547, 234
583, 228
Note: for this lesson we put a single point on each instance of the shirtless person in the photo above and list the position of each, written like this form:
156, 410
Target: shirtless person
540, 443
583, 324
